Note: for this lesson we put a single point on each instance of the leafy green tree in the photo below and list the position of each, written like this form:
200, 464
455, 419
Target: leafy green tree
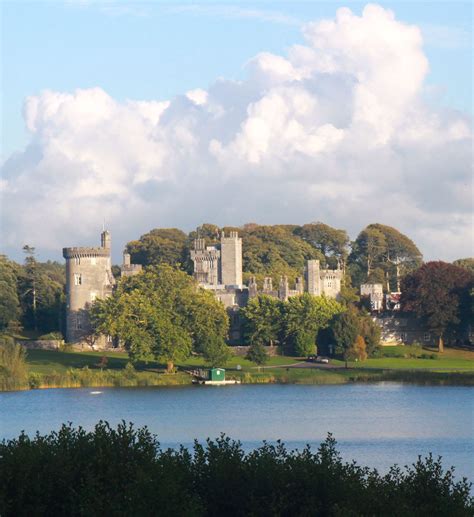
439, 294
345, 328
304, 343
383, 254
465, 263
162, 314
257, 354
401, 255
263, 321
367, 253
9, 301
304, 316
331, 242
371, 332
41, 287
159, 246
215, 351
29, 292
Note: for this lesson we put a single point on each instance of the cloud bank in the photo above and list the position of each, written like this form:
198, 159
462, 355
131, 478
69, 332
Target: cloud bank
336, 130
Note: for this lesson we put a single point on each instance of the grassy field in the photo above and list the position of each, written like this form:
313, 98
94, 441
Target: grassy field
402, 363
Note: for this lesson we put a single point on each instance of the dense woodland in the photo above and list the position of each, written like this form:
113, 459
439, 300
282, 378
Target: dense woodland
32, 294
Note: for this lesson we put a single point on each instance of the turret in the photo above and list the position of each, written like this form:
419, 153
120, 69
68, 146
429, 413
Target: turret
105, 240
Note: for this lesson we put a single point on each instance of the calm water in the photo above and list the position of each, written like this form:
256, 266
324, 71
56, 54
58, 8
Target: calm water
377, 425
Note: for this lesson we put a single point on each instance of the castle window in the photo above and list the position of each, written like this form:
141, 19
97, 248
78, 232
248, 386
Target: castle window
77, 260
426, 336
77, 279
93, 296
78, 323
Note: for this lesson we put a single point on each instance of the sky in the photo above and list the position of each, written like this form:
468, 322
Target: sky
159, 114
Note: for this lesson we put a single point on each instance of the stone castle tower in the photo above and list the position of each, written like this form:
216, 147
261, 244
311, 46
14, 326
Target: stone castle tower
231, 259
88, 276
218, 266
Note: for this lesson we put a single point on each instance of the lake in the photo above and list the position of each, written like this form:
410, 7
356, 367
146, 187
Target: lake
375, 424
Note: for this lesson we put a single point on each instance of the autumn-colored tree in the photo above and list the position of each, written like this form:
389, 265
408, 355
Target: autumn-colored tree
439, 294
358, 350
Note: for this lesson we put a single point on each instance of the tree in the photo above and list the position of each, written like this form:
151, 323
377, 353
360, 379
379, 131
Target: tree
304, 316
439, 294
357, 352
31, 277
345, 328
331, 242
371, 332
9, 301
162, 314
401, 255
263, 320
465, 263
383, 254
215, 351
159, 246
304, 343
257, 354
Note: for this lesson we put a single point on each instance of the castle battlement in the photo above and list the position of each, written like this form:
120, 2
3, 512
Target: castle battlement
85, 252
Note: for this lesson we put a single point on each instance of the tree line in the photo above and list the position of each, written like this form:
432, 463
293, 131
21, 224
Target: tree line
380, 253
124, 471
32, 295
307, 325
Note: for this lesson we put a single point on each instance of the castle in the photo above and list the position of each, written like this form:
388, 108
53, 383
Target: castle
88, 277
217, 268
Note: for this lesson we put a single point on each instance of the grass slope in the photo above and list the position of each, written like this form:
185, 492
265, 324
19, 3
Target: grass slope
402, 363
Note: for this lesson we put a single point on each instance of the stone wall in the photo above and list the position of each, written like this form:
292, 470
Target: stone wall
241, 351
42, 344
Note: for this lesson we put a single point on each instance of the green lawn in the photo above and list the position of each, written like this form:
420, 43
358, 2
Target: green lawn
409, 357
46, 361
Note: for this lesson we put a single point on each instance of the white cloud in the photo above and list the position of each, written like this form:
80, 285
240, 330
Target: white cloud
336, 130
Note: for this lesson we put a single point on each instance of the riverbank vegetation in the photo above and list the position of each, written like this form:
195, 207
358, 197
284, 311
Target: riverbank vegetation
124, 471
72, 369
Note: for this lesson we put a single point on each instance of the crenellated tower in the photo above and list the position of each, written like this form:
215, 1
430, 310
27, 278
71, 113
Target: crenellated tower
88, 277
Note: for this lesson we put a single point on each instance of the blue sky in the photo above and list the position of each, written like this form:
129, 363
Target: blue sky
156, 50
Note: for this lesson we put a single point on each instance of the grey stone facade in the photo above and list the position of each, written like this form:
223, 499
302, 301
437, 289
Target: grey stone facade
88, 277
219, 268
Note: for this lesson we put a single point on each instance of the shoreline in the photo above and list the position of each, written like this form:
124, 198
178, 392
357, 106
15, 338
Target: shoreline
309, 376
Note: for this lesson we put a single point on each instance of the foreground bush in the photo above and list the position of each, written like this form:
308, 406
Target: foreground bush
124, 471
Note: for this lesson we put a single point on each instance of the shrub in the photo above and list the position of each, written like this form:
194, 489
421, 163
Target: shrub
52, 336
124, 471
